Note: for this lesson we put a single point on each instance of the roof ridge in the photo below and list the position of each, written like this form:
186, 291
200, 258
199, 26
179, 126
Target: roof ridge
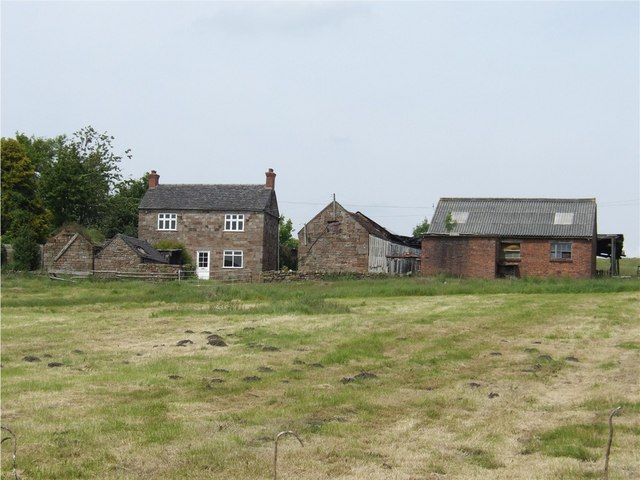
521, 199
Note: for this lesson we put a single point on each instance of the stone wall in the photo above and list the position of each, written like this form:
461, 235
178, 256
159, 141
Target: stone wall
297, 276
333, 241
64, 253
116, 256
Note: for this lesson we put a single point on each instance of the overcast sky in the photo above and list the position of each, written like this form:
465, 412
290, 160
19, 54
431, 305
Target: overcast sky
387, 105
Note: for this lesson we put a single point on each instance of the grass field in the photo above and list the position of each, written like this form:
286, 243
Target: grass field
381, 379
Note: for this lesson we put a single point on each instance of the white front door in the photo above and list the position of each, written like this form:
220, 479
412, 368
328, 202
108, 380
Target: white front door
202, 268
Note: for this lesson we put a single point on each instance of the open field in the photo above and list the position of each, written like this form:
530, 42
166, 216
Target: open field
381, 379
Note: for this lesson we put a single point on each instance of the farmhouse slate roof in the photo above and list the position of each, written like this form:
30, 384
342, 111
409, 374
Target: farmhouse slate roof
240, 198
516, 217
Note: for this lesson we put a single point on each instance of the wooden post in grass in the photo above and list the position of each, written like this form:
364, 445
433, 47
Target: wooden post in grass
606, 457
275, 455
15, 447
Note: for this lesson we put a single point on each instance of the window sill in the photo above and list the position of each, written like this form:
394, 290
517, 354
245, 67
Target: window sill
561, 260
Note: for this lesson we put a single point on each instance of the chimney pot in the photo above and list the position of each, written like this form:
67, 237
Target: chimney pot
154, 179
271, 179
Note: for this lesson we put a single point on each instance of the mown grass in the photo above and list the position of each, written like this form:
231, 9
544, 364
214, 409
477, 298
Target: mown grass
384, 378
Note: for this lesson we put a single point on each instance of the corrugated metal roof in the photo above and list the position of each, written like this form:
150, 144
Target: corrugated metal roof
379, 231
241, 198
517, 217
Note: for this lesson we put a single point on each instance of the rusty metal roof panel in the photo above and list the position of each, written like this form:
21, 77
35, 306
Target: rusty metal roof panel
517, 217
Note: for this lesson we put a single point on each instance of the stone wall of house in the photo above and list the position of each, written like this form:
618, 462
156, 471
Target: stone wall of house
204, 231
333, 241
271, 243
78, 256
478, 257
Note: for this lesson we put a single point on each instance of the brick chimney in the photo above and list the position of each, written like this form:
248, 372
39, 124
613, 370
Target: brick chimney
154, 179
271, 179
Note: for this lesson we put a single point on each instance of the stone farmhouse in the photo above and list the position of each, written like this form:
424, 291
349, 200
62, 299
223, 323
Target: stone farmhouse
231, 231
512, 237
336, 240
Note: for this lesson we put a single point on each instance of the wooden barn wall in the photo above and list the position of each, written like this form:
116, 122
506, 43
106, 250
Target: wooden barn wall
379, 252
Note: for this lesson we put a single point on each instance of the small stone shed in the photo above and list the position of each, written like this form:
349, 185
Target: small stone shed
124, 255
69, 250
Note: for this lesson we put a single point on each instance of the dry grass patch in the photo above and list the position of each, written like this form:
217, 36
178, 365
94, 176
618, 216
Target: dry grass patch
474, 386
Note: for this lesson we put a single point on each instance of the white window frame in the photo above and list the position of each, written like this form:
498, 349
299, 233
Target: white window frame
168, 221
234, 222
560, 249
203, 259
232, 255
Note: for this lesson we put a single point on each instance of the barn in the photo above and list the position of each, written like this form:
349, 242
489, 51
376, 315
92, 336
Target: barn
512, 237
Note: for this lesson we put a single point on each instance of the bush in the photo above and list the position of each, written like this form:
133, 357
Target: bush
175, 245
26, 251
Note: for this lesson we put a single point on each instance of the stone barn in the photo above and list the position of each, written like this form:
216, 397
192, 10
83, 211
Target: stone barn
336, 240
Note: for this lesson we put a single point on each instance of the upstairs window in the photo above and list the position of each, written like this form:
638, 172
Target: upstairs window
167, 221
233, 259
234, 222
560, 250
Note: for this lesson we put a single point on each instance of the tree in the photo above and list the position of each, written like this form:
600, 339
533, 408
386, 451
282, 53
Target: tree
40, 150
122, 214
77, 183
422, 228
26, 251
19, 193
288, 245
449, 222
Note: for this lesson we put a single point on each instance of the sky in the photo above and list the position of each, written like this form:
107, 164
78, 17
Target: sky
389, 106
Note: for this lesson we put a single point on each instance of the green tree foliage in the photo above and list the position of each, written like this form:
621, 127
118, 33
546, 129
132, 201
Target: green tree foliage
288, 245
20, 194
122, 212
26, 251
449, 222
422, 228
77, 182
175, 245
39, 150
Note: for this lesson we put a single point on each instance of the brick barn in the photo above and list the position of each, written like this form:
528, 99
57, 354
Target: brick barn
512, 237
336, 240
231, 231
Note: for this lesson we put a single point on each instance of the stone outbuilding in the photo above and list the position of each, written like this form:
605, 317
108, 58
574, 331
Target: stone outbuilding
69, 251
512, 237
129, 256
339, 241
